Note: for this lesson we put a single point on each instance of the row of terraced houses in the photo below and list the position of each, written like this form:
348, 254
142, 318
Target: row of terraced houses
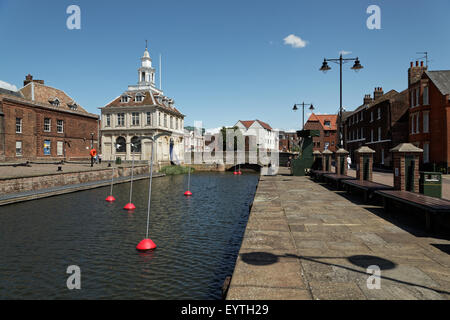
420, 114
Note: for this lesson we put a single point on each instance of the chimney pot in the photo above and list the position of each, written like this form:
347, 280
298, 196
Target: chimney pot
421, 63
417, 63
411, 64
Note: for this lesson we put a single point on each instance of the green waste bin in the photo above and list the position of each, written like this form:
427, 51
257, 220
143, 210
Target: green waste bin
430, 184
118, 160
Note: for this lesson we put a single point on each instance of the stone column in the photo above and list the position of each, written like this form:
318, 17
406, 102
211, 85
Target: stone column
128, 147
361, 154
341, 159
405, 155
326, 160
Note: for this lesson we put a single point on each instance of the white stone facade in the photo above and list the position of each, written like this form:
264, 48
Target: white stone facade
142, 111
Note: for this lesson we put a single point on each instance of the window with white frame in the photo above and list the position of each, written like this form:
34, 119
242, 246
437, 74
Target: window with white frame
426, 100
124, 99
426, 121
379, 133
379, 113
139, 97
426, 152
18, 148
135, 118
120, 119
18, 125
59, 126
47, 125
59, 148
108, 120
149, 118
165, 120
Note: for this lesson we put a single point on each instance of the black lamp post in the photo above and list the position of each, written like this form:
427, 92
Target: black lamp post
303, 104
356, 66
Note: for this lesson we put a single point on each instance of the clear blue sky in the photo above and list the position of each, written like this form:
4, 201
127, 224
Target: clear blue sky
222, 60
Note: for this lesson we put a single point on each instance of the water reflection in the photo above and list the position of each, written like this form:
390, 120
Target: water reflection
198, 239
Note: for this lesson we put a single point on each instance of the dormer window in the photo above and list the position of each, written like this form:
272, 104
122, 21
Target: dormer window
124, 98
73, 106
328, 123
139, 97
55, 102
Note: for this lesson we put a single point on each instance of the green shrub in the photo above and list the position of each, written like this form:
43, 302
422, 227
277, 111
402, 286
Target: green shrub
172, 170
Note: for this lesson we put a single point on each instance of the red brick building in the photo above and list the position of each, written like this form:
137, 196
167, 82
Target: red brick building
429, 115
288, 141
380, 123
41, 122
326, 125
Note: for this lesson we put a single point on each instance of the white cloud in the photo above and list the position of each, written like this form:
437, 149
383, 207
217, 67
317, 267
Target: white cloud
343, 52
294, 41
7, 86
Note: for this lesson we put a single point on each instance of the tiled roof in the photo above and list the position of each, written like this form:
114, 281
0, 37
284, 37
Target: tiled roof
45, 95
441, 79
150, 99
11, 93
248, 123
325, 117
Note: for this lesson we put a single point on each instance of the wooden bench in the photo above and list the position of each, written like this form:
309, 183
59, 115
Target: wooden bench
317, 174
366, 186
432, 207
336, 179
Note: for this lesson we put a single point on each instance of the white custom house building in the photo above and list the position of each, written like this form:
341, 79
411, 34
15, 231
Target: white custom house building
266, 138
142, 110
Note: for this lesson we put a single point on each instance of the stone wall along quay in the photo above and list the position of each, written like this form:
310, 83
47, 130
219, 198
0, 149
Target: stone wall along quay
38, 182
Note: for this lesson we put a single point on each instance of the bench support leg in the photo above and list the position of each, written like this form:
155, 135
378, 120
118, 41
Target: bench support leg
386, 204
429, 225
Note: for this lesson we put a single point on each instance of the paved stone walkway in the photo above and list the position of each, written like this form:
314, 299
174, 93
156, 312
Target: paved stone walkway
304, 241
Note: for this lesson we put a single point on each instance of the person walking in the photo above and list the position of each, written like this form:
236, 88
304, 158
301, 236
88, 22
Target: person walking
349, 161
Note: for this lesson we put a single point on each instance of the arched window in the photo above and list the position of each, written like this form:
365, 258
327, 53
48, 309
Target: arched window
135, 144
121, 144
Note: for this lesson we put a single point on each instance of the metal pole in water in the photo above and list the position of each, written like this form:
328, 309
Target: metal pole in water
130, 205
150, 190
132, 172
147, 244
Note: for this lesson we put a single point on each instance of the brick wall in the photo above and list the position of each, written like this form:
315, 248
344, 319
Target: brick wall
438, 135
60, 179
76, 135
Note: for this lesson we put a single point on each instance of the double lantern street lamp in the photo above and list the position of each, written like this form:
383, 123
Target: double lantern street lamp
303, 108
356, 66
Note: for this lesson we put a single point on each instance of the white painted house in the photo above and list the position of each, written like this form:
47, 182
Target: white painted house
266, 137
142, 110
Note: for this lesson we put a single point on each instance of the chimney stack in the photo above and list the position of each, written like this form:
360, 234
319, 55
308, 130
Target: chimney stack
367, 99
378, 92
29, 78
415, 72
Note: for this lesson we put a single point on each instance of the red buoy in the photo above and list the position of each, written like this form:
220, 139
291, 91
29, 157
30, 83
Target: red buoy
110, 199
235, 173
188, 193
129, 206
145, 245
